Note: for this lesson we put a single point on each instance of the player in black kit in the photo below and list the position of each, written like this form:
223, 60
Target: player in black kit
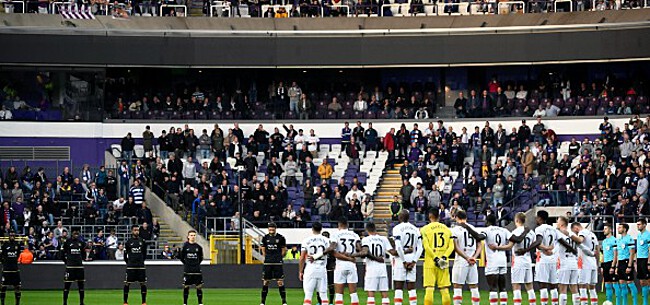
331, 264
10, 273
192, 256
135, 252
274, 247
72, 252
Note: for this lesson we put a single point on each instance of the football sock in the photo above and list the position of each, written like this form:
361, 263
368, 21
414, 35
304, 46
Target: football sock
617, 292
563, 299
323, 298
199, 295
428, 296
532, 298
370, 301
126, 294
476, 296
494, 298
143, 293
338, 299
66, 293
516, 297
283, 294
594, 296
575, 298
385, 301
555, 299
634, 292
82, 291
543, 296
458, 296
503, 298
307, 300
609, 291
583, 296
265, 292
623, 290
186, 294
645, 293
399, 296
18, 294
444, 293
413, 297
354, 299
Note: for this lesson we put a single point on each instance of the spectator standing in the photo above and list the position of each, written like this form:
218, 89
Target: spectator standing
128, 144
325, 170
295, 94
346, 136
389, 146
304, 107
163, 145
147, 137
111, 245
370, 138
204, 144
368, 209
137, 192
395, 208
217, 137
125, 179
291, 168
189, 171
352, 151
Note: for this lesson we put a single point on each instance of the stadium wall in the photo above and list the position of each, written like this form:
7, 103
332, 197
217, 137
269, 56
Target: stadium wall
88, 141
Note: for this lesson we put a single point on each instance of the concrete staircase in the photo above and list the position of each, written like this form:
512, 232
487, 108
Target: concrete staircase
391, 182
167, 236
195, 7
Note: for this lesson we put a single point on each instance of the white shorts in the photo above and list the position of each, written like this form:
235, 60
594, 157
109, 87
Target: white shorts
345, 274
400, 274
315, 281
522, 275
496, 270
376, 283
588, 277
546, 273
567, 277
464, 275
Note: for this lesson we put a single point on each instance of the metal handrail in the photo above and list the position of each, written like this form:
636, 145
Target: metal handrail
9, 4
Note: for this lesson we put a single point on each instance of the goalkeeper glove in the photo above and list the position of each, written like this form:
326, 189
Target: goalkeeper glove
442, 262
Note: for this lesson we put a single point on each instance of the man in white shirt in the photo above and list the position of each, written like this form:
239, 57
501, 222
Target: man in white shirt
312, 143
360, 104
5, 114
590, 255
355, 191
345, 245
314, 276
468, 249
374, 248
496, 265
568, 258
546, 269
521, 243
119, 204
111, 245
415, 179
408, 244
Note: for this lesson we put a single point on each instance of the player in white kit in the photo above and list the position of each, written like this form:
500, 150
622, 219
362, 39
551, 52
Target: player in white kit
314, 274
546, 267
590, 256
521, 243
408, 244
345, 245
467, 249
568, 266
496, 262
374, 248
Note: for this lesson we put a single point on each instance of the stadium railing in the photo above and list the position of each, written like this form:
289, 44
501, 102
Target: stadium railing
11, 6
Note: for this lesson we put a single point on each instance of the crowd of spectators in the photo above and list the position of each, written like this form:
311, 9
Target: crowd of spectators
45, 210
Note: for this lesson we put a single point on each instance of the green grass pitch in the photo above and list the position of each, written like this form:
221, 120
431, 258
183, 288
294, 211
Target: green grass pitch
211, 297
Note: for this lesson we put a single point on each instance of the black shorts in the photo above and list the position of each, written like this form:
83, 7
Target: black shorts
642, 269
273, 272
190, 279
623, 275
136, 275
607, 276
74, 275
10, 278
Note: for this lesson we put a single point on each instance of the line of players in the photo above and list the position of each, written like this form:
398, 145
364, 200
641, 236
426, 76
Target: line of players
559, 250
135, 250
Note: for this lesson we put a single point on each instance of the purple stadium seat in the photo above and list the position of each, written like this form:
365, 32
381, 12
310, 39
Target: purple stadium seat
570, 102
313, 96
383, 114
565, 111
325, 96
369, 115
630, 101
590, 111
150, 115
330, 115
340, 96
175, 115
520, 103
583, 102
601, 110
559, 102
546, 100
533, 103
137, 115
347, 105
290, 115
215, 115
319, 115
227, 115
352, 96
645, 109
357, 115
344, 114
642, 100
267, 115
592, 101
511, 104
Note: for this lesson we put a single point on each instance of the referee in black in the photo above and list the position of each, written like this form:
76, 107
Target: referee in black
192, 256
135, 253
274, 247
72, 252
10, 273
